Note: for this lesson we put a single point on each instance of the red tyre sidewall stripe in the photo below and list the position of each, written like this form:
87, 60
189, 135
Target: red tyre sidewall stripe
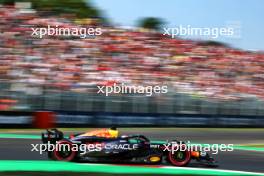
69, 158
182, 163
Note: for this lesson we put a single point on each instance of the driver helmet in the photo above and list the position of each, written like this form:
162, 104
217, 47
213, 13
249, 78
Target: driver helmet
113, 132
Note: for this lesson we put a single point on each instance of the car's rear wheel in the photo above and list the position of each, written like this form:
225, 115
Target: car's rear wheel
64, 151
179, 158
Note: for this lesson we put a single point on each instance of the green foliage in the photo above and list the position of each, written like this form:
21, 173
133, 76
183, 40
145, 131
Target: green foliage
212, 43
80, 8
151, 23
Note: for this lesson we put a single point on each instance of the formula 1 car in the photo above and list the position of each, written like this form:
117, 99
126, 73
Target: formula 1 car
124, 149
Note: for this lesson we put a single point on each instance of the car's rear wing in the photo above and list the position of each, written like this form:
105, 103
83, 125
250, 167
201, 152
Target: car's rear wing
51, 135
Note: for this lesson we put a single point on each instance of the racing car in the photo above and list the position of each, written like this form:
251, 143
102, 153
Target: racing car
89, 147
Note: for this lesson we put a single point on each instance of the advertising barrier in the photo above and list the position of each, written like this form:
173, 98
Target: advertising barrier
64, 118
16, 119
47, 119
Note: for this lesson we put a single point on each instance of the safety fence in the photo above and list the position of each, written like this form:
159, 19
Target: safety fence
176, 103
49, 119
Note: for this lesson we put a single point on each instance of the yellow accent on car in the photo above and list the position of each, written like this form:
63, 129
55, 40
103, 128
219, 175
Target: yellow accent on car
113, 133
154, 159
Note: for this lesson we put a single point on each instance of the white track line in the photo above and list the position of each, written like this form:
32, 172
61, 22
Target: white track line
217, 170
185, 168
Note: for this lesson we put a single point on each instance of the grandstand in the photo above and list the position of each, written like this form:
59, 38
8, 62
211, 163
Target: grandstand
58, 73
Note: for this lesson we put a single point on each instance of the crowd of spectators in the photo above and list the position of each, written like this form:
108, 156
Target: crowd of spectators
130, 56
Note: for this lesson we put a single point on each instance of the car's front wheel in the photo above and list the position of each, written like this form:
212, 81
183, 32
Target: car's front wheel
179, 158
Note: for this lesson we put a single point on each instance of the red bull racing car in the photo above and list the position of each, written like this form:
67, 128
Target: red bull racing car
106, 146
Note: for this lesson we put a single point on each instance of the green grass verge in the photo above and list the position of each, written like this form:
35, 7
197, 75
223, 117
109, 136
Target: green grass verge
53, 166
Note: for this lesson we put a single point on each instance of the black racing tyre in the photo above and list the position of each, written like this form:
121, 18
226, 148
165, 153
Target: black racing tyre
64, 151
179, 157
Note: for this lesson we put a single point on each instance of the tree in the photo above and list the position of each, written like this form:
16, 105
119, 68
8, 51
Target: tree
151, 23
212, 43
81, 8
